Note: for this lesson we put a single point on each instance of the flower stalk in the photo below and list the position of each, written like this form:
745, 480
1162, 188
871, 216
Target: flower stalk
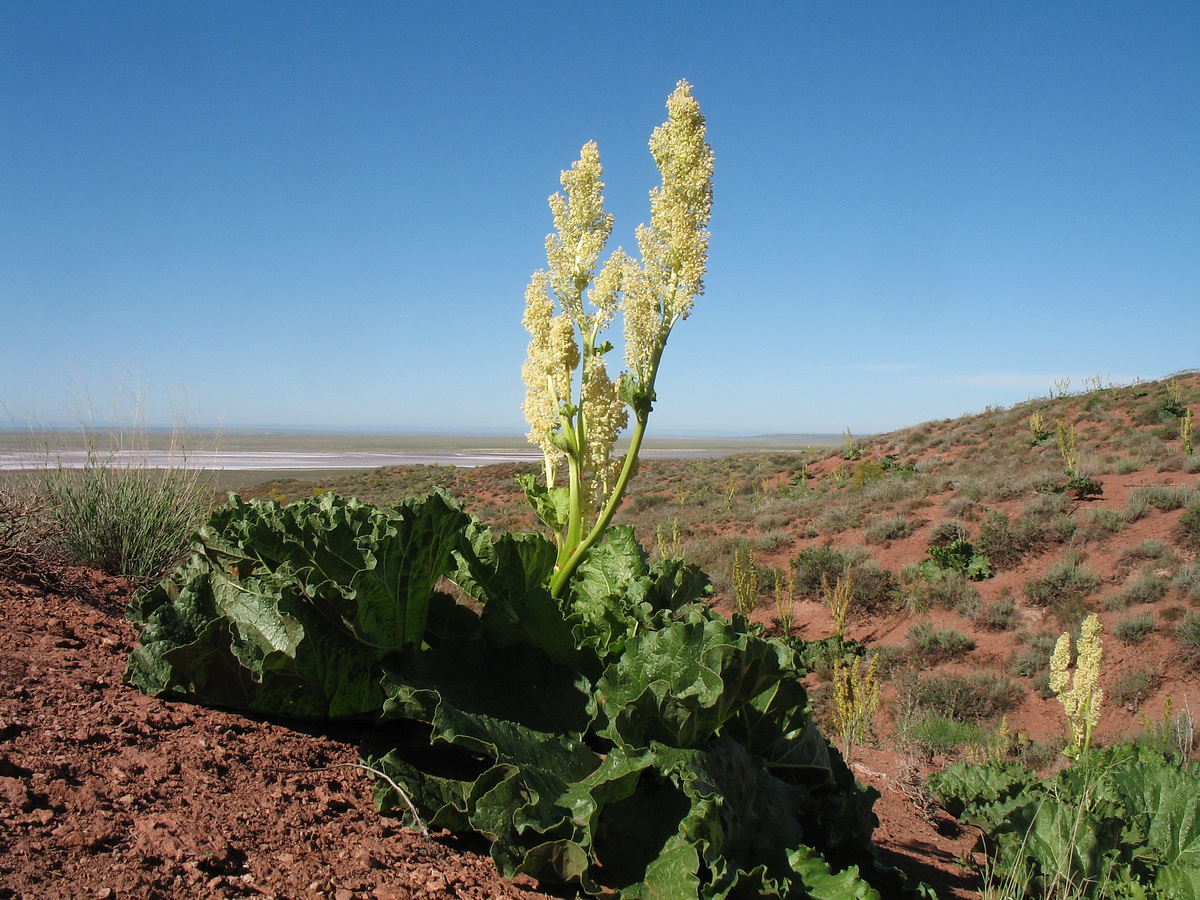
575, 410
1079, 692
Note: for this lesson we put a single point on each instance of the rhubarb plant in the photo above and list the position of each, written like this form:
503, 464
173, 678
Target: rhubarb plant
584, 709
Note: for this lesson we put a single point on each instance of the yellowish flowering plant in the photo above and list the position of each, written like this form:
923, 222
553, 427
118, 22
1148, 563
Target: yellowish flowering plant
855, 699
1079, 693
575, 409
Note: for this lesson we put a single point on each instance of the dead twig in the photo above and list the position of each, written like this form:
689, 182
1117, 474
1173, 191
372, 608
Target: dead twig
399, 790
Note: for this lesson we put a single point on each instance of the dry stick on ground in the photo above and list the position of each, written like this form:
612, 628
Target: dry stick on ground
399, 790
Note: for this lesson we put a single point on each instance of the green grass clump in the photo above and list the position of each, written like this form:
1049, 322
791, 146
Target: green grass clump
940, 734
125, 520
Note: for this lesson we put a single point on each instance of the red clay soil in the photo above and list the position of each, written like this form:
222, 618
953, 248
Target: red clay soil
107, 793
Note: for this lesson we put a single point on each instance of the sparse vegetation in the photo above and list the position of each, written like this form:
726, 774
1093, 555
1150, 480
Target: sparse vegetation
828, 524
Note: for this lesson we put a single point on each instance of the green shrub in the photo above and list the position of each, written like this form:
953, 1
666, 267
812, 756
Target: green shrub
1188, 634
1188, 530
1164, 497
1064, 582
948, 532
976, 697
1148, 589
1134, 629
874, 588
1187, 582
1005, 542
1148, 551
1133, 689
840, 518
1100, 524
1034, 656
947, 590
995, 616
890, 529
937, 645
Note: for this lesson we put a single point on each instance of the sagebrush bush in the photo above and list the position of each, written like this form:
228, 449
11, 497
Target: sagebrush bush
1187, 582
1164, 497
1188, 531
1034, 655
976, 697
1066, 583
1005, 542
1147, 589
937, 645
1134, 629
1188, 634
995, 616
947, 590
812, 567
1133, 689
892, 528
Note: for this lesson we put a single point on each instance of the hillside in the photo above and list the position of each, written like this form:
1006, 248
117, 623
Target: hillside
1095, 506
1081, 501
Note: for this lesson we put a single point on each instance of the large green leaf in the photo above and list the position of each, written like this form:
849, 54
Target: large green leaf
291, 610
689, 682
509, 575
254, 644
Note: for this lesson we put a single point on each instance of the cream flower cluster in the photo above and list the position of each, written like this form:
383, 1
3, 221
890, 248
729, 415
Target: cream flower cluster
581, 229
574, 407
674, 246
1080, 694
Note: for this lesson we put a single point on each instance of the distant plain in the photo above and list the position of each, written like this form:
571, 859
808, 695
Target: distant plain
243, 457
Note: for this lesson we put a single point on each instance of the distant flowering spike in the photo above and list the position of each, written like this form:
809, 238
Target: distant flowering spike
1079, 693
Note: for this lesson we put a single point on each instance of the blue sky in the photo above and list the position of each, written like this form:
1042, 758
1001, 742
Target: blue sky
325, 214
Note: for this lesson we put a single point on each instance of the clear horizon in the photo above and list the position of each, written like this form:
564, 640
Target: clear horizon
233, 214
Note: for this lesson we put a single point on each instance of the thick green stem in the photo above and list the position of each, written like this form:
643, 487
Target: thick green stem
566, 568
575, 510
